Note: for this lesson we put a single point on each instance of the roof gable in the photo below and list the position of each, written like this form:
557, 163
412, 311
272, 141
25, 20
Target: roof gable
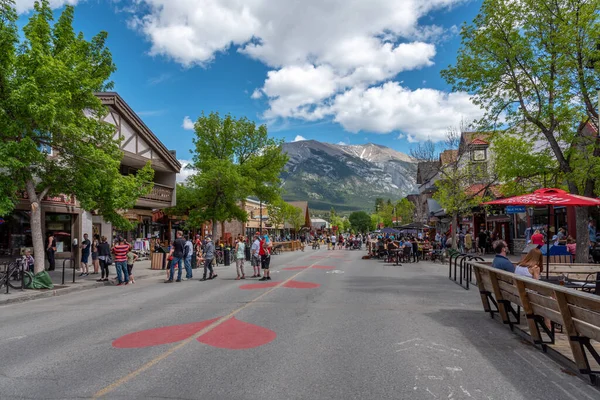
135, 124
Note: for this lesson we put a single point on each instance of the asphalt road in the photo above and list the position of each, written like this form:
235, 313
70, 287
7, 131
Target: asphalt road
369, 331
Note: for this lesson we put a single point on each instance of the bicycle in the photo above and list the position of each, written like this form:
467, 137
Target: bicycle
14, 275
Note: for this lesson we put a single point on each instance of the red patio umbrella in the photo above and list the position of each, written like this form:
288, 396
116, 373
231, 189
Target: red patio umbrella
547, 197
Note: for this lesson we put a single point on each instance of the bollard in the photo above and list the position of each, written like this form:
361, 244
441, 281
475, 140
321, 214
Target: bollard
73, 264
63, 272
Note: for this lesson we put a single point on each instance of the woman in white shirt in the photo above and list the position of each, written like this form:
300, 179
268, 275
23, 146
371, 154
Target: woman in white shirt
531, 265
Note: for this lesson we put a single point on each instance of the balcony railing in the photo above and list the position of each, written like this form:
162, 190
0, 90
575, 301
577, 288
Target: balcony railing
161, 193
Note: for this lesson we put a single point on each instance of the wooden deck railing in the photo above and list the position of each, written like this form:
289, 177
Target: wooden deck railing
160, 193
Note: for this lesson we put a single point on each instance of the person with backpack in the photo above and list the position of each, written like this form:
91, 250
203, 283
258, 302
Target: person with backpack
104, 259
265, 257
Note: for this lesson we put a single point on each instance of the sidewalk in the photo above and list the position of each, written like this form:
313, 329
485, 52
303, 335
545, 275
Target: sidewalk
141, 271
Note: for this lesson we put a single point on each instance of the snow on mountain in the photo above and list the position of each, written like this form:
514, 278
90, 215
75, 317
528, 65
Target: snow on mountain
347, 177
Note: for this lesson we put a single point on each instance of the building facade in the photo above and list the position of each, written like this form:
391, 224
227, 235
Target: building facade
63, 217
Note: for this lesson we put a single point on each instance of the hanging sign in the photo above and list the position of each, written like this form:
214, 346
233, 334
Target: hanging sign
515, 209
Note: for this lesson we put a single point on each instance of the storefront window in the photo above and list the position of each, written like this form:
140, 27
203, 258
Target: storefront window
60, 226
15, 233
521, 225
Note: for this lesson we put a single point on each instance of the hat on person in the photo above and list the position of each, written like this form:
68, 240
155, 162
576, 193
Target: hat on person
555, 237
208, 239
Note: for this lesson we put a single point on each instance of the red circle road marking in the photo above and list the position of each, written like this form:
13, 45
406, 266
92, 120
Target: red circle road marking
301, 285
322, 267
261, 285
293, 268
163, 335
234, 334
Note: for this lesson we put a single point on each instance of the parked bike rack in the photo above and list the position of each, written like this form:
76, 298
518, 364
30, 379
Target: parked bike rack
451, 257
466, 270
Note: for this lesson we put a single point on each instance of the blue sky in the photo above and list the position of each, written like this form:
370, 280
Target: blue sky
332, 70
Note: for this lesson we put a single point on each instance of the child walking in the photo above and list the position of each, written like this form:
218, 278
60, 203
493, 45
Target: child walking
131, 258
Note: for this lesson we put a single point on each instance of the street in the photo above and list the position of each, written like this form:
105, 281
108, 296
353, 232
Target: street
364, 330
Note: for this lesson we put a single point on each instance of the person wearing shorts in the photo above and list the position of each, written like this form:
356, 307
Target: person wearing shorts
255, 256
131, 258
265, 258
85, 255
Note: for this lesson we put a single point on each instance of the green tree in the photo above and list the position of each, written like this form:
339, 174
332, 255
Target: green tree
360, 221
278, 212
529, 61
405, 211
53, 138
521, 167
234, 159
375, 219
295, 217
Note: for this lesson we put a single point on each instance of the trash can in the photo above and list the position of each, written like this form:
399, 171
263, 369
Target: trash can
247, 252
159, 258
194, 265
227, 256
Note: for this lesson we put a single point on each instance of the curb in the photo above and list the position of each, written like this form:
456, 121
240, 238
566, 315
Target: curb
34, 295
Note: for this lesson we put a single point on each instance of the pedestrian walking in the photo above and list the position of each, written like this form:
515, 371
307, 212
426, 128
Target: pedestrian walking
95, 262
265, 258
209, 255
50, 250
120, 251
468, 242
86, 246
103, 259
255, 255
482, 241
188, 252
333, 240
240, 248
131, 258
177, 252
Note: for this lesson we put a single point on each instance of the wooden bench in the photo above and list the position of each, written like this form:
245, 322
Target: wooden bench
562, 259
577, 312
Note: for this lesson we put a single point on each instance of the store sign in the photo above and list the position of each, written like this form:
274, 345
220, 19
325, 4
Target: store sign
515, 209
60, 199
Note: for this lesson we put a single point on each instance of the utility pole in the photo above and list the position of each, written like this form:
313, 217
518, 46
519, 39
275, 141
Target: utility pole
260, 229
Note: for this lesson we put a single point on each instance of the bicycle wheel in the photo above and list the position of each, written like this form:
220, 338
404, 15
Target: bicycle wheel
14, 279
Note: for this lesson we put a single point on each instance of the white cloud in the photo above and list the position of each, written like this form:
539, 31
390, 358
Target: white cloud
27, 5
188, 124
321, 53
186, 172
257, 94
421, 114
299, 138
342, 143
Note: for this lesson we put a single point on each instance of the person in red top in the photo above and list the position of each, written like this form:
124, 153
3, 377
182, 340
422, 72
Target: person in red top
265, 257
120, 251
537, 238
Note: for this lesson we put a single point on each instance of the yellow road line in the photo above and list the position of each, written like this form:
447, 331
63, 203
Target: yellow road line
162, 356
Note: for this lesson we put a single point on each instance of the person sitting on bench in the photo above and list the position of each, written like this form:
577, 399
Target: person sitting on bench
500, 261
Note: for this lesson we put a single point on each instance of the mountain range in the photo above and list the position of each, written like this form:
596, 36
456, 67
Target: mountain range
346, 177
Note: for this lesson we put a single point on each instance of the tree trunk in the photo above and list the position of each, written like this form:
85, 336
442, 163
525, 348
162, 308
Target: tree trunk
454, 228
39, 245
214, 230
581, 223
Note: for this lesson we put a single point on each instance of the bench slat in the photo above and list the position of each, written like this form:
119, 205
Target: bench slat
546, 312
508, 288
